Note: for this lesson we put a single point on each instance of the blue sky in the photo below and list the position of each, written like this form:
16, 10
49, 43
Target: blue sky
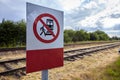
89, 15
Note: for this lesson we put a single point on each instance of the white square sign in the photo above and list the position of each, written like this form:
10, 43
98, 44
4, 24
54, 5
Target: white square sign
44, 38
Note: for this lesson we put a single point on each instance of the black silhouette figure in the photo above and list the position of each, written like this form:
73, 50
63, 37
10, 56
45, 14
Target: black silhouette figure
50, 24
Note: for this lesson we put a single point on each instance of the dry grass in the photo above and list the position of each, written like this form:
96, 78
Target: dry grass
12, 55
79, 46
87, 68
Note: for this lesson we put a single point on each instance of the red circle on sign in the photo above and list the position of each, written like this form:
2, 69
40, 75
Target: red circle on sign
39, 18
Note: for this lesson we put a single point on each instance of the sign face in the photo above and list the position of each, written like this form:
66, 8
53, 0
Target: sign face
49, 27
44, 38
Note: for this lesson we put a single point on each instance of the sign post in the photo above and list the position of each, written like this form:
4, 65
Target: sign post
45, 75
44, 39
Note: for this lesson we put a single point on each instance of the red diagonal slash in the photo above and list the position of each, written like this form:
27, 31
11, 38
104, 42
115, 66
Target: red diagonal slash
54, 35
47, 27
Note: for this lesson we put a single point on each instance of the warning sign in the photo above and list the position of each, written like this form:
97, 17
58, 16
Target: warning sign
47, 28
44, 38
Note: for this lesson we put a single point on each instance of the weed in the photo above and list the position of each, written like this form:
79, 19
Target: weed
112, 72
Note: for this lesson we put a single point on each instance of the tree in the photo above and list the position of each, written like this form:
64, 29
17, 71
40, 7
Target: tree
66, 38
6, 32
102, 35
21, 25
68, 35
94, 36
12, 33
115, 38
81, 35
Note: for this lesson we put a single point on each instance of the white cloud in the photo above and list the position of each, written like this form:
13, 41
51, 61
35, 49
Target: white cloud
70, 4
91, 5
102, 1
88, 22
112, 7
110, 22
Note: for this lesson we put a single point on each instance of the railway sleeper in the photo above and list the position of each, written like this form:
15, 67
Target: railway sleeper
20, 73
71, 58
75, 57
89, 55
7, 66
79, 56
23, 72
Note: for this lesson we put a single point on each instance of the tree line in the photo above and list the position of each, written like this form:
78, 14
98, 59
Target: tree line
14, 34
82, 35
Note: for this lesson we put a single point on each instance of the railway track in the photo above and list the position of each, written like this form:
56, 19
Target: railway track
76, 53
7, 64
66, 45
70, 55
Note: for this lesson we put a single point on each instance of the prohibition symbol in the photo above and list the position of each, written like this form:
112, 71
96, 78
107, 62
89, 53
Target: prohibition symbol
45, 26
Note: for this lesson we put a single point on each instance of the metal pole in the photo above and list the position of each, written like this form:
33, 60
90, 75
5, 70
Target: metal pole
45, 75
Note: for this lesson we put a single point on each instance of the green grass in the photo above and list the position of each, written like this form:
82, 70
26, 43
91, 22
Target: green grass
112, 71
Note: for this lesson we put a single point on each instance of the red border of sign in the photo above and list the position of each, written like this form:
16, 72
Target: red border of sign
39, 18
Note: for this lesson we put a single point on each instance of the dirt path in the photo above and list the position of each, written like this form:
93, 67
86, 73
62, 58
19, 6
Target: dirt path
80, 69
